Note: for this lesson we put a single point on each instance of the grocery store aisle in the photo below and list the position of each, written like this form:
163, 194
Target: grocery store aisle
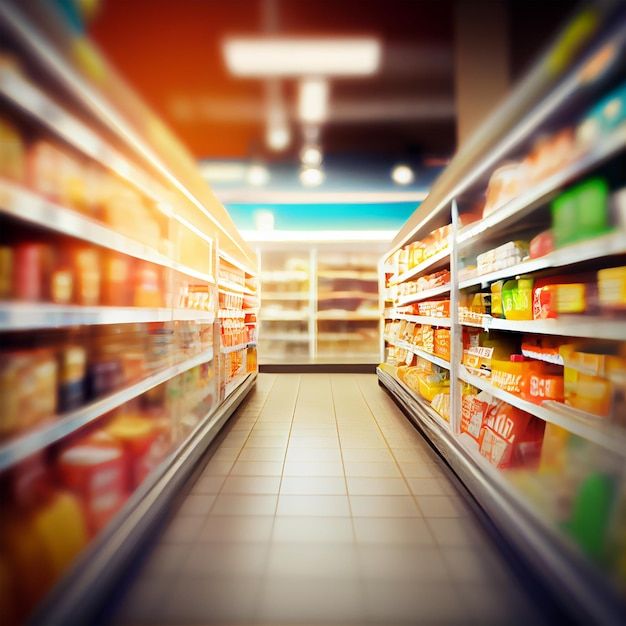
321, 504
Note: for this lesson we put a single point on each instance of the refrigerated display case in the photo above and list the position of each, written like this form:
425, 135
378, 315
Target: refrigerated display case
504, 316
318, 304
126, 318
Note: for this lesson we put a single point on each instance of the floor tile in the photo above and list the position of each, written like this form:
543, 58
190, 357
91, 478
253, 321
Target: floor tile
313, 468
196, 504
366, 454
376, 486
313, 454
309, 529
307, 560
439, 506
322, 485
257, 468
396, 530
384, 506
251, 484
237, 504
240, 528
183, 529
262, 454
313, 505
425, 486
402, 562
454, 532
226, 559
377, 469
208, 484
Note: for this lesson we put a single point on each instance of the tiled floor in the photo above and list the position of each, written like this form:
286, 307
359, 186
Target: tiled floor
322, 504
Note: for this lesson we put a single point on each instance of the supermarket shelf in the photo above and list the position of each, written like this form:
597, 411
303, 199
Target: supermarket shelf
67, 423
237, 348
231, 314
28, 97
423, 295
517, 208
234, 384
285, 296
348, 275
566, 326
349, 316
78, 596
344, 337
15, 316
420, 319
347, 295
434, 260
251, 311
20, 203
585, 425
595, 248
295, 337
558, 561
59, 69
283, 276
229, 285
421, 353
285, 316
420, 408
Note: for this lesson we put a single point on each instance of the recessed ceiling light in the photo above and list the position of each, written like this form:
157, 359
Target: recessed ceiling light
302, 56
278, 137
311, 155
402, 175
258, 175
313, 100
311, 176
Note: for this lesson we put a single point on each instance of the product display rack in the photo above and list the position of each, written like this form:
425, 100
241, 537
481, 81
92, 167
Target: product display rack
130, 334
542, 106
329, 304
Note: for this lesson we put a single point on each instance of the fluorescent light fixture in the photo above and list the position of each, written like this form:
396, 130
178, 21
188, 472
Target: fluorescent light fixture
311, 156
318, 235
402, 175
223, 172
264, 220
258, 175
302, 56
277, 137
313, 101
311, 176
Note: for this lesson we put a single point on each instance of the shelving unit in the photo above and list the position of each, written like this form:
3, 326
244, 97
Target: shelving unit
318, 306
128, 277
522, 499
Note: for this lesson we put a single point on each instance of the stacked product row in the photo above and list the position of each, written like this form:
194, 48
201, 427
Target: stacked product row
127, 319
518, 321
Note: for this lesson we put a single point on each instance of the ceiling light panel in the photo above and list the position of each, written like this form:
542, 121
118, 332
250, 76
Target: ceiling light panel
256, 57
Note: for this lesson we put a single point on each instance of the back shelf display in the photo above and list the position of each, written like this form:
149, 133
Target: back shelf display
528, 341
122, 321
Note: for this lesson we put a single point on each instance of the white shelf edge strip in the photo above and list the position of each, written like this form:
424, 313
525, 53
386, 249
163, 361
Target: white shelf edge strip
421, 353
567, 326
420, 319
237, 348
65, 424
24, 204
26, 315
594, 248
424, 265
423, 295
592, 428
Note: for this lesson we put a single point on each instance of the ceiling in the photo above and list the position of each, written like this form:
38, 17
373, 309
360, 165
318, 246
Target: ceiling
170, 52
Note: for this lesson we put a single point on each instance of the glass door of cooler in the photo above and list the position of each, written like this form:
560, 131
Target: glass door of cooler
347, 307
286, 322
